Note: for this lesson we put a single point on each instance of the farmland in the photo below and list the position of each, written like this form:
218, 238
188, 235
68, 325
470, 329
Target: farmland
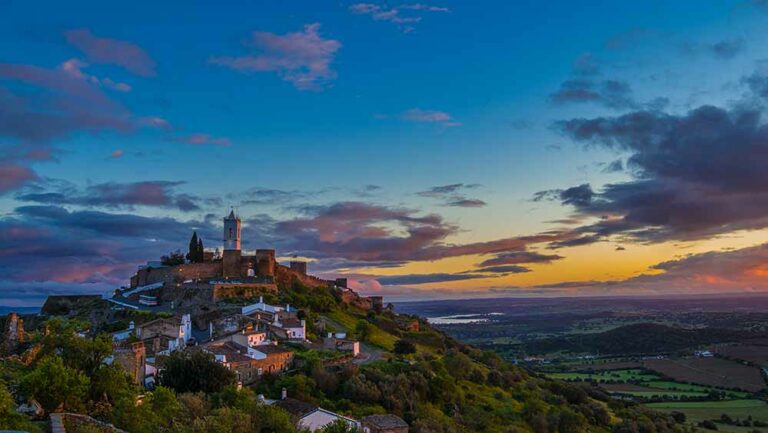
697, 412
710, 371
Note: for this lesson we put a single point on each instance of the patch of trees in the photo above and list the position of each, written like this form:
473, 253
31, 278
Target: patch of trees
636, 339
196, 252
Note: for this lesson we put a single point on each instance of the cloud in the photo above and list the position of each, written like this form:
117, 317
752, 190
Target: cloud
453, 195
14, 176
70, 104
302, 58
112, 51
415, 279
741, 270
117, 153
695, 175
404, 16
201, 139
365, 232
727, 49
119, 195
429, 116
519, 257
609, 93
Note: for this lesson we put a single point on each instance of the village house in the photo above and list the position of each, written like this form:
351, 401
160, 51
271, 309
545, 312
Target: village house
309, 416
340, 343
387, 423
165, 335
250, 363
283, 323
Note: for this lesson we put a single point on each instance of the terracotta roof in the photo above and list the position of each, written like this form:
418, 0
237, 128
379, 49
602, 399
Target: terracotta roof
296, 407
271, 348
385, 421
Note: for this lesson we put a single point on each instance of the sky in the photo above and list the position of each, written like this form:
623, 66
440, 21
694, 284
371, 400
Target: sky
427, 150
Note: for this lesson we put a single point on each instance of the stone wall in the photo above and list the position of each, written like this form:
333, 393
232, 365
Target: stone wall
241, 290
177, 274
132, 357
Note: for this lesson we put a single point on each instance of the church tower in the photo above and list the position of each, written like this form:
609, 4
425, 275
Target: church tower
232, 232
231, 258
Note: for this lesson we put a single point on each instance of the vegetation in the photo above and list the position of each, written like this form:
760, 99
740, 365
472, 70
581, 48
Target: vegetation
195, 371
641, 338
196, 252
173, 258
443, 387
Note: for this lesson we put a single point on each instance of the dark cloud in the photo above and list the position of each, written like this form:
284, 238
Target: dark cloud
612, 94
119, 195
519, 257
697, 174
613, 167
727, 49
505, 269
454, 195
365, 232
413, 279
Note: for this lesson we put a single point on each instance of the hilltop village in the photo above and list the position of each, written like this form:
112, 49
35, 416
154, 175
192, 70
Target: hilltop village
232, 341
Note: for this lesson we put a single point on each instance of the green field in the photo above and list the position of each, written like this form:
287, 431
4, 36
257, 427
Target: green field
633, 374
699, 411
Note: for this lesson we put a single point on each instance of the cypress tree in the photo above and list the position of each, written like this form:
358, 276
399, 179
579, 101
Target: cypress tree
200, 250
193, 245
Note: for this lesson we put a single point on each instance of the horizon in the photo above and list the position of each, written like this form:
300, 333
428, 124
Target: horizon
423, 150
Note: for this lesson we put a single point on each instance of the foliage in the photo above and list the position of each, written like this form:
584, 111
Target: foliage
195, 370
9, 418
404, 347
196, 252
340, 426
173, 258
55, 385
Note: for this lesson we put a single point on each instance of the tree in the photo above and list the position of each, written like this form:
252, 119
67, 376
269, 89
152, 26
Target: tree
195, 370
340, 426
174, 258
404, 347
200, 250
363, 330
53, 385
9, 418
192, 255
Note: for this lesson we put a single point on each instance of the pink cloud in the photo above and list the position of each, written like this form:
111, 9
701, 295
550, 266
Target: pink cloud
203, 139
117, 154
429, 116
394, 14
156, 122
112, 51
74, 68
303, 58
13, 176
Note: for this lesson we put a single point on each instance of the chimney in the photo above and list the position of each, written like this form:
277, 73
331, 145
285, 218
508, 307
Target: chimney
284, 394
261, 299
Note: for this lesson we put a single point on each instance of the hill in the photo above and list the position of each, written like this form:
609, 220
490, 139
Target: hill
636, 339
435, 383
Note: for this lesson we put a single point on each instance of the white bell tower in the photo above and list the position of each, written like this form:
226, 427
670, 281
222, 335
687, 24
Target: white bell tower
232, 232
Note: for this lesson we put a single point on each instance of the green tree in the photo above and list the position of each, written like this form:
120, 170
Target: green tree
9, 418
363, 330
404, 347
54, 385
195, 370
340, 426
200, 250
192, 255
174, 258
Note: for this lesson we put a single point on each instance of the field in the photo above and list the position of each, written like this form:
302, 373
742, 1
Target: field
644, 384
736, 409
716, 372
752, 353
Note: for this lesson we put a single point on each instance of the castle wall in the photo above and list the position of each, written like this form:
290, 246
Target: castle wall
177, 274
265, 263
231, 264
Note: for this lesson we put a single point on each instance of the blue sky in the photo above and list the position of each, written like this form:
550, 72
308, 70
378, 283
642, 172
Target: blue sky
309, 104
